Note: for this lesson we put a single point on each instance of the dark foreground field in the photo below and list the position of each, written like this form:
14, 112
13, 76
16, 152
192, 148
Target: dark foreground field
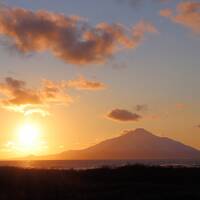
130, 182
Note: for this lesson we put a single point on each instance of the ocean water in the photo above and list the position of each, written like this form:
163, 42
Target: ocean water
89, 164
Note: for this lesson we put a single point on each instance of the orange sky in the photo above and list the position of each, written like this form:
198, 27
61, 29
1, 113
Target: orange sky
72, 77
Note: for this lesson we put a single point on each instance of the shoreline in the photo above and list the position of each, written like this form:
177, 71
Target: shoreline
95, 164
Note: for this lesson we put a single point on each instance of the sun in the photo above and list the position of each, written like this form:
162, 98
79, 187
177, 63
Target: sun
29, 137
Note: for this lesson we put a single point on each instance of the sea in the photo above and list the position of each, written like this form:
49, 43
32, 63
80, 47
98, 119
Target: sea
91, 164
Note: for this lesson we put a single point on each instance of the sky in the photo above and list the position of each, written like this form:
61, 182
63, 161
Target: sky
85, 71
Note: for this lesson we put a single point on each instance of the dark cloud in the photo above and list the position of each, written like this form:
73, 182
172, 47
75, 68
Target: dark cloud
123, 115
141, 107
69, 38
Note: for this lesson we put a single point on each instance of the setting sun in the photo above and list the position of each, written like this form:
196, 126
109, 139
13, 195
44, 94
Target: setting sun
29, 136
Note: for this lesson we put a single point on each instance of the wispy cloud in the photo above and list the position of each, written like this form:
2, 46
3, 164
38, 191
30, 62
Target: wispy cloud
16, 147
136, 3
123, 115
187, 14
69, 38
180, 106
83, 84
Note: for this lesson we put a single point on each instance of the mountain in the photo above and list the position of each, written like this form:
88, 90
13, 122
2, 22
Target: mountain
137, 144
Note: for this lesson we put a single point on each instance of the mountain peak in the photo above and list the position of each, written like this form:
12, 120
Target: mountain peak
141, 130
138, 131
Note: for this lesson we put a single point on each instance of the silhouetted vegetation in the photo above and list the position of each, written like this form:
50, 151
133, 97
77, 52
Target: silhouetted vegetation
129, 182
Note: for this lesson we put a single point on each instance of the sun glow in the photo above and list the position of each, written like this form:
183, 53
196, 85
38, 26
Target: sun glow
29, 137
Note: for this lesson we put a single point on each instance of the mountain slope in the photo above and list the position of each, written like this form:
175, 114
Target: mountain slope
138, 144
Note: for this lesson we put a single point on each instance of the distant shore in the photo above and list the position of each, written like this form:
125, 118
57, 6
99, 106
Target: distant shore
128, 182
93, 164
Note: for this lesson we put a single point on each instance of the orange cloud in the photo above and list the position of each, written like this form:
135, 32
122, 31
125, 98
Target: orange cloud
82, 84
16, 96
17, 93
69, 38
187, 14
123, 115
55, 92
180, 106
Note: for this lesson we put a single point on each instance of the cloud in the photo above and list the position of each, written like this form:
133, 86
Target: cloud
69, 38
136, 3
123, 115
40, 111
17, 93
16, 96
83, 84
15, 146
141, 107
187, 14
55, 92
180, 106
153, 117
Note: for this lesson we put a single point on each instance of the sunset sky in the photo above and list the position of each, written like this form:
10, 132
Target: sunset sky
81, 71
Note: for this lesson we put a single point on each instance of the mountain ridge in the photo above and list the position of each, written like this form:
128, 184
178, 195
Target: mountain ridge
134, 144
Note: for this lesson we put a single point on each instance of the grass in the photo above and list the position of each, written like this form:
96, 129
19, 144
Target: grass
129, 182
